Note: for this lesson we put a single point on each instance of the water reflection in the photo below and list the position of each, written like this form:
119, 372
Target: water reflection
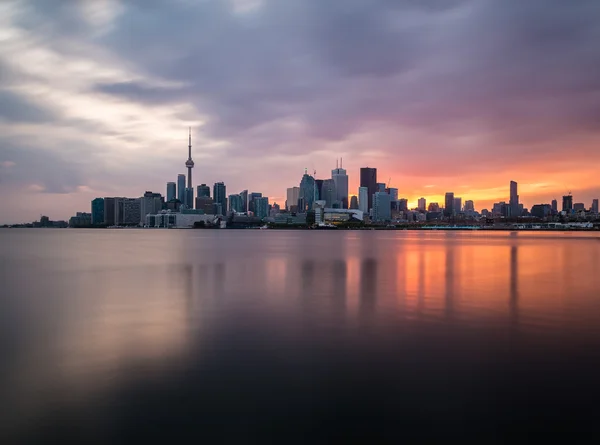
514, 285
368, 287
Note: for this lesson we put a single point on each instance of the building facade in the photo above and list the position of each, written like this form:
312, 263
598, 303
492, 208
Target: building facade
202, 190
220, 195
308, 191
354, 203
457, 205
244, 197
368, 179
109, 211
292, 195
449, 204
382, 209
98, 211
363, 200
151, 203
340, 178
595, 206
261, 207
567, 204
393, 192
329, 194
235, 204
171, 191
514, 200
422, 204
181, 188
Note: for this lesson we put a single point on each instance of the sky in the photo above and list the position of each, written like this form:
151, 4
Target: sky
96, 97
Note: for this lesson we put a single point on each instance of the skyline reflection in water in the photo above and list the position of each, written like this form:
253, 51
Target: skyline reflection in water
107, 334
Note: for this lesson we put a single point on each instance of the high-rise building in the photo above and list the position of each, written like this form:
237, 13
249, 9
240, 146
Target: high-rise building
382, 210
363, 200
554, 206
171, 191
189, 198
235, 203
340, 178
329, 193
181, 188
97, 211
251, 197
244, 196
422, 204
541, 210
449, 204
469, 206
595, 206
319, 185
567, 204
261, 207
293, 193
433, 207
380, 187
203, 190
354, 203
403, 205
220, 196
189, 164
393, 192
457, 205
205, 203
127, 211
514, 200
578, 206
308, 191
109, 211
368, 179
150, 204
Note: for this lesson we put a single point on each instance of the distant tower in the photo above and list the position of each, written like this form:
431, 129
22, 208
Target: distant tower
189, 163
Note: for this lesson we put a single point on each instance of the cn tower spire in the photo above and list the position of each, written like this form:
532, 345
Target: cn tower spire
189, 163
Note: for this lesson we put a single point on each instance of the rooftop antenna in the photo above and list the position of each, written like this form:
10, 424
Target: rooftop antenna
341, 159
336, 164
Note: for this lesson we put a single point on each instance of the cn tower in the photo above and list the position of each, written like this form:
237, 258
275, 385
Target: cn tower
189, 163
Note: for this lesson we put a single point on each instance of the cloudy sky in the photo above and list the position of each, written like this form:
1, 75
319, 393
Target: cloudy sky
440, 95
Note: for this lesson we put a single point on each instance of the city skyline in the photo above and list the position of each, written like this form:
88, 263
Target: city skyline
103, 116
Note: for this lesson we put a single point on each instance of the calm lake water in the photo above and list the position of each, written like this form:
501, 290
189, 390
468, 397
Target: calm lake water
255, 336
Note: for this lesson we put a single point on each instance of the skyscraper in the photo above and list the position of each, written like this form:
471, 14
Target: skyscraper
381, 187
202, 190
422, 204
308, 191
251, 197
244, 196
150, 204
382, 210
98, 211
319, 185
171, 191
363, 200
393, 192
292, 195
595, 206
109, 211
219, 195
329, 193
433, 207
469, 206
368, 179
354, 203
567, 204
181, 188
457, 205
554, 206
340, 178
189, 197
190, 165
514, 200
449, 204
235, 203
261, 207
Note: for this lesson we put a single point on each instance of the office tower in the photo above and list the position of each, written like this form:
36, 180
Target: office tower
433, 207
292, 195
217, 208
319, 185
340, 178
219, 195
308, 190
354, 203
380, 187
150, 204
205, 203
541, 210
363, 200
578, 206
422, 204
567, 204
449, 204
251, 197
244, 196
403, 204
469, 206
382, 210
190, 165
368, 179
203, 190
189, 197
97, 211
171, 191
329, 193
261, 207
181, 188
457, 205
127, 211
109, 211
393, 192
595, 206
235, 204
554, 206
514, 200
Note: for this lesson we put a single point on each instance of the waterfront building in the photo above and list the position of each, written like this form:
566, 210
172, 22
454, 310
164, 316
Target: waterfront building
354, 203
382, 207
205, 204
541, 210
220, 196
251, 197
181, 188
449, 204
81, 219
292, 195
363, 201
515, 210
109, 211
340, 178
554, 206
368, 179
308, 191
150, 204
171, 191
189, 197
567, 204
422, 204
595, 206
235, 204
329, 193
97, 211
457, 205
261, 207
244, 197
127, 211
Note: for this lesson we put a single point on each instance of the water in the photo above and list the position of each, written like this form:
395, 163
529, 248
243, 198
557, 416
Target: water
282, 336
